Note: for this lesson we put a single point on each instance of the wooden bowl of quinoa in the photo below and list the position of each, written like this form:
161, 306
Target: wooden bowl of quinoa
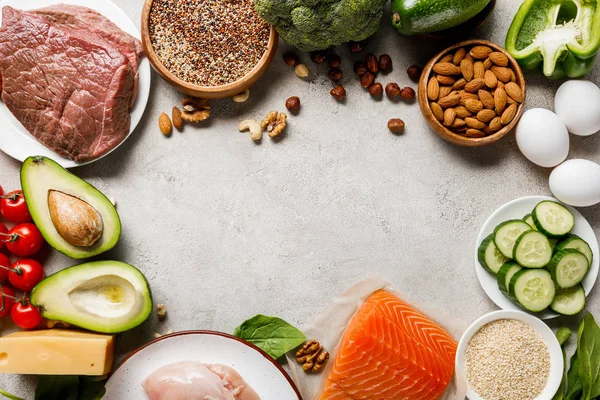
207, 48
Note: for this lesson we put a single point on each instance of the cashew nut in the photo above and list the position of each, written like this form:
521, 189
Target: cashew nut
253, 127
241, 97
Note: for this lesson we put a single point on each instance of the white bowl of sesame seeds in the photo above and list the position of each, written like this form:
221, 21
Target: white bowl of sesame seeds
509, 355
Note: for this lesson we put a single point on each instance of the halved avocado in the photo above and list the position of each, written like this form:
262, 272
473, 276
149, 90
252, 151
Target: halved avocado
101, 296
74, 217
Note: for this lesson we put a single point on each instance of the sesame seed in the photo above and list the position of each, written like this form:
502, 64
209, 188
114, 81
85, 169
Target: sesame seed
208, 42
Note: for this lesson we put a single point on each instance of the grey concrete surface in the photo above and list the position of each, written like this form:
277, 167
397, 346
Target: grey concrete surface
225, 229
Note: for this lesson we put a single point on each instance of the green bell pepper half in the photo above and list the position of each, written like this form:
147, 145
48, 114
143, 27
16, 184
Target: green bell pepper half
561, 36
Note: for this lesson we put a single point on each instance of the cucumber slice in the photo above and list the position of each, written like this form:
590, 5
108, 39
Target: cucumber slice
488, 255
532, 250
507, 233
529, 220
569, 301
568, 268
577, 243
533, 289
505, 273
553, 219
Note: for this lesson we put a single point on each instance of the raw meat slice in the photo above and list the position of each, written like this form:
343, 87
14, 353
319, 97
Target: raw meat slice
390, 351
67, 87
190, 380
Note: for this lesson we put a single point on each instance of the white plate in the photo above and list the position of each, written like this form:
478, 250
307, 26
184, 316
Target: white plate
517, 209
15, 140
556, 356
259, 370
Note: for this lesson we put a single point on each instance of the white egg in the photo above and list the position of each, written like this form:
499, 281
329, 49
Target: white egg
542, 137
576, 182
577, 103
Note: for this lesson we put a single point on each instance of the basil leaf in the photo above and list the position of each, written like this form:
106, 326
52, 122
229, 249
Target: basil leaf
562, 335
56, 387
588, 354
273, 335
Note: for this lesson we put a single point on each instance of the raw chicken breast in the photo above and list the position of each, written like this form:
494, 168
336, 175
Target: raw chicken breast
190, 380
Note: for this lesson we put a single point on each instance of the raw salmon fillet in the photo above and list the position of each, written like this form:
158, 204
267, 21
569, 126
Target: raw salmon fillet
390, 351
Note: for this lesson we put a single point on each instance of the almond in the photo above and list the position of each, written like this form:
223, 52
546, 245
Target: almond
499, 58
474, 85
496, 124
474, 133
487, 131
459, 84
473, 105
480, 52
445, 91
514, 91
513, 77
177, 120
478, 70
490, 79
486, 99
469, 57
458, 123
486, 115
446, 68
510, 101
502, 73
449, 115
474, 123
487, 63
445, 80
509, 114
462, 112
164, 123
459, 55
433, 89
466, 96
449, 101
447, 58
466, 68
500, 98
437, 111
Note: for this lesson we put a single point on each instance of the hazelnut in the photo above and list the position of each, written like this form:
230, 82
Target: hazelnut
414, 72
367, 79
335, 74
385, 62
407, 93
293, 104
376, 90
360, 68
372, 63
355, 47
338, 92
396, 125
334, 61
392, 90
290, 58
318, 57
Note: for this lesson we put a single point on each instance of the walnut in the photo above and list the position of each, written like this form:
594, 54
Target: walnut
161, 311
312, 356
274, 123
195, 110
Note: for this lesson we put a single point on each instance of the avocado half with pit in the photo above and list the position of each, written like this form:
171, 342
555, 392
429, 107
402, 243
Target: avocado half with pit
101, 296
74, 217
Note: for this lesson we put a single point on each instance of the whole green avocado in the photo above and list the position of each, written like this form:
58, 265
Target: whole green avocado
313, 25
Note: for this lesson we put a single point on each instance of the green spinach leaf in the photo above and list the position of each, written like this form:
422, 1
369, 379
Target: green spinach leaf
273, 335
10, 396
69, 387
562, 335
588, 355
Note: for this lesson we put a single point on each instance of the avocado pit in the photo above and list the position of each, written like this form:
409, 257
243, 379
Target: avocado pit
75, 220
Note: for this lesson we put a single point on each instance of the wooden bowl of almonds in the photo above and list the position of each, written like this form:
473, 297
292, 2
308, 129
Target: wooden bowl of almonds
472, 94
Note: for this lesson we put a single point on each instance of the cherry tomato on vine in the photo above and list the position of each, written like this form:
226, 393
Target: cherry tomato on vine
3, 232
26, 316
24, 240
13, 207
1, 190
26, 274
4, 268
7, 300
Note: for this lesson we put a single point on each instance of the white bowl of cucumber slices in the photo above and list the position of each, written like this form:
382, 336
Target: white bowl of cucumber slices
537, 255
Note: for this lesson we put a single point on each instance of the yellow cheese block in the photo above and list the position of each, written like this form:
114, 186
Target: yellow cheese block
56, 352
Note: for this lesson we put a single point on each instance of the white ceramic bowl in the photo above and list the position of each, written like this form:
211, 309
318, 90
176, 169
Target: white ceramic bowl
556, 357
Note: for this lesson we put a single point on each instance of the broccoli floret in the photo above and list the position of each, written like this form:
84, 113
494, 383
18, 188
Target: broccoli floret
313, 25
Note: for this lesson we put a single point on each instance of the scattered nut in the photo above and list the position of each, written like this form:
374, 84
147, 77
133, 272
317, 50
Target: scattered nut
241, 97
254, 128
161, 311
293, 104
385, 62
195, 110
157, 335
290, 58
274, 123
334, 61
312, 356
376, 90
407, 93
367, 79
335, 75
372, 63
318, 57
355, 47
396, 125
50, 323
414, 72
177, 120
301, 71
338, 92
392, 90
164, 123
360, 68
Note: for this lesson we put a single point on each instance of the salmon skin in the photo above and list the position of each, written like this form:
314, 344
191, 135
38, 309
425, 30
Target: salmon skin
390, 351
